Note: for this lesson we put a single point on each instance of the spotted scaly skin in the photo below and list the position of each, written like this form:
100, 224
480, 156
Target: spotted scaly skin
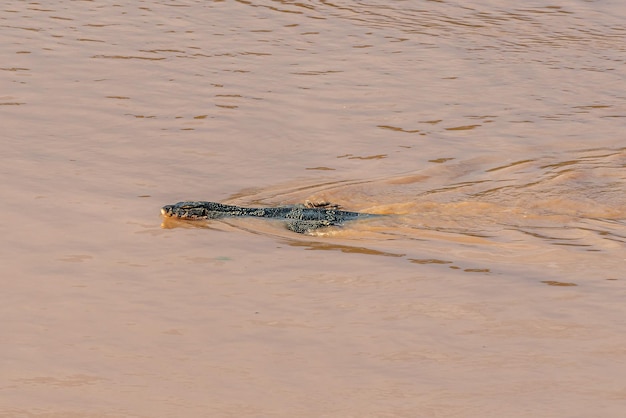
299, 218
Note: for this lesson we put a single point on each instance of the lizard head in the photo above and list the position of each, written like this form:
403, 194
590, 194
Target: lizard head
186, 210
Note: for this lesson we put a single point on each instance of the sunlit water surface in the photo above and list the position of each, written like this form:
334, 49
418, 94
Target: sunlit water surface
492, 135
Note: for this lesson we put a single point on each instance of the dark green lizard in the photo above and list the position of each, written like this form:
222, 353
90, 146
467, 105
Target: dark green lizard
299, 218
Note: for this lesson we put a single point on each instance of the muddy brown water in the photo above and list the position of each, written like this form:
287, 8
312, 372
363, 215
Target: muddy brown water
492, 134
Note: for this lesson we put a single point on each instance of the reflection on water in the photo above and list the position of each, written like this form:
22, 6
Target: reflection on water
555, 283
316, 245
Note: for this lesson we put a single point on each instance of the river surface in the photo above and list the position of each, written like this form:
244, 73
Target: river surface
492, 134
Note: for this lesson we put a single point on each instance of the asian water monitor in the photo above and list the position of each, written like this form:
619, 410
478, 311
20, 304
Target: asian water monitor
299, 218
